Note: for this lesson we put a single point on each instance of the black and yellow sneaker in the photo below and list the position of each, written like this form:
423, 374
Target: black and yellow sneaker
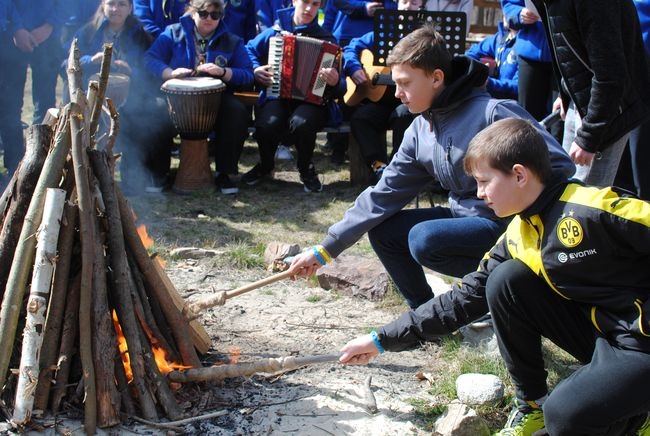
644, 430
525, 419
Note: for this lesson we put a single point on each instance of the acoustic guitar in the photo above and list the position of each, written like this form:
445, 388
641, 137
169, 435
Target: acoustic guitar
375, 88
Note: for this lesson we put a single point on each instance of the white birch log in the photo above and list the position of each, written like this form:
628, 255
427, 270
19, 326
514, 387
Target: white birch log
48, 234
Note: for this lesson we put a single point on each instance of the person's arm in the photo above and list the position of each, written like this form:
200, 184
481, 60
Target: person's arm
355, 8
352, 53
158, 57
512, 11
598, 22
440, 316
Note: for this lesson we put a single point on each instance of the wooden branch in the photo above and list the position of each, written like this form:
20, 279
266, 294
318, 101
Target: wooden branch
176, 424
244, 369
24, 255
112, 133
200, 337
26, 177
182, 332
104, 338
48, 234
96, 109
56, 307
75, 82
80, 140
120, 285
68, 337
219, 299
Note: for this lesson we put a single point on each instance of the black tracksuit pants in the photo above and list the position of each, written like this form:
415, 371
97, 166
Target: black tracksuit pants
609, 395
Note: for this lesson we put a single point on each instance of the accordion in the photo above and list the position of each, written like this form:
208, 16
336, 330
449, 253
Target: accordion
296, 61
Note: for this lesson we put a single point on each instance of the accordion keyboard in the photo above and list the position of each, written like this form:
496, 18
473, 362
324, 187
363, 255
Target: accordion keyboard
275, 60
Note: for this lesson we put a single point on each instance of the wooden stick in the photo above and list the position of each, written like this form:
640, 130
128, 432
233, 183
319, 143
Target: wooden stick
25, 177
181, 331
24, 255
219, 299
48, 234
96, 109
55, 309
243, 369
120, 285
80, 142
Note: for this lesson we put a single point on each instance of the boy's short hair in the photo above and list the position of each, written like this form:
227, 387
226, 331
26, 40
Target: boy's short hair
424, 48
507, 142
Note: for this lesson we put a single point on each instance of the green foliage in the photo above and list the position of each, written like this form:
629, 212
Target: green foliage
426, 411
241, 255
314, 298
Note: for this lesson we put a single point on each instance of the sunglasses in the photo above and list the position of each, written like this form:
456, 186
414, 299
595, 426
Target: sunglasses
215, 15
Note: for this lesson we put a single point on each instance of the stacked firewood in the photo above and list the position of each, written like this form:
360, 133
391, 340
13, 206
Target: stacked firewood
73, 269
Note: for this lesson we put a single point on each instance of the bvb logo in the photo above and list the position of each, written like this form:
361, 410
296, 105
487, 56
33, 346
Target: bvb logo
569, 232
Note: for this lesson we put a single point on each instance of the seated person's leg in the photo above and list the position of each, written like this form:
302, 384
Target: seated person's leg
270, 123
390, 240
231, 130
400, 120
453, 246
368, 125
305, 121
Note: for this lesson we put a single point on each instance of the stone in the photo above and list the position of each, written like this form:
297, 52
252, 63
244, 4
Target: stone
193, 253
276, 250
478, 389
460, 420
480, 334
355, 276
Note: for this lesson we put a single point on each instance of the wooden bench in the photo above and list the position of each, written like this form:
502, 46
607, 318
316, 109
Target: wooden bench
360, 173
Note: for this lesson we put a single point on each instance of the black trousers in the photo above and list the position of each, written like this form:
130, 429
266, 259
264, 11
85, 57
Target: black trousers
536, 83
609, 395
633, 173
369, 123
301, 120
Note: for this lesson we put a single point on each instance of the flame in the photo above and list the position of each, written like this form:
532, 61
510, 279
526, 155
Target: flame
234, 354
123, 348
144, 236
160, 355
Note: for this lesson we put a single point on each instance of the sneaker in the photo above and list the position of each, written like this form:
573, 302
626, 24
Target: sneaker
525, 419
226, 185
283, 153
644, 430
255, 175
310, 180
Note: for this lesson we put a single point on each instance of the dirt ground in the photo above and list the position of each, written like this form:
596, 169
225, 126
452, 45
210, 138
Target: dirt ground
296, 318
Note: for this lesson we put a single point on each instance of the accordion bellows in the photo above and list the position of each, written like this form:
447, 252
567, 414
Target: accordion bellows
296, 61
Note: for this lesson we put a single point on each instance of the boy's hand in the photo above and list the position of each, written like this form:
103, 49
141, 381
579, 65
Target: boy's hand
580, 156
527, 16
24, 41
359, 351
559, 105
371, 8
264, 75
329, 75
359, 77
304, 264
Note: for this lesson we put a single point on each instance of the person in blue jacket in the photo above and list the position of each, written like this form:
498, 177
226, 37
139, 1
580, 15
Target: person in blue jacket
266, 12
201, 44
354, 18
76, 14
5, 129
536, 80
302, 120
158, 14
370, 119
497, 53
32, 40
241, 18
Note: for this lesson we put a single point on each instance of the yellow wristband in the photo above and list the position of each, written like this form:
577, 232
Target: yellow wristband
323, 252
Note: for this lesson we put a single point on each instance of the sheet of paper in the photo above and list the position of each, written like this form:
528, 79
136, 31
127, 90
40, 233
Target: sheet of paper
531, 7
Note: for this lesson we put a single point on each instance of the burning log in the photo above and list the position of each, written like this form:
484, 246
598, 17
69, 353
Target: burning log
244, 369
219, 299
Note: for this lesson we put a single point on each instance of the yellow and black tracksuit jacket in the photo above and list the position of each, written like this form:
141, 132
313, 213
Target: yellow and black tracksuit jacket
590, 245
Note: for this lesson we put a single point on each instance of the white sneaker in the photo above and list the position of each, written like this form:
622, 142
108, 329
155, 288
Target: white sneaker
283, 153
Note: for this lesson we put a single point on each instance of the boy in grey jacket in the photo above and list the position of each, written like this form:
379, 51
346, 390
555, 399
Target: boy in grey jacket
453, 104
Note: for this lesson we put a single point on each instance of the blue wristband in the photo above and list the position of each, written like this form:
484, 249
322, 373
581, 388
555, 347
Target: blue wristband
319, 258
375, 339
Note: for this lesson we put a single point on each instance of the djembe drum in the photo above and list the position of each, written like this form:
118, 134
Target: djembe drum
117, 88
193, 105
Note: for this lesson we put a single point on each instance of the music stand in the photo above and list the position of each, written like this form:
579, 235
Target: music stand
390, 26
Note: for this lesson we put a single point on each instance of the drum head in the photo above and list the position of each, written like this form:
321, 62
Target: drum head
193, 85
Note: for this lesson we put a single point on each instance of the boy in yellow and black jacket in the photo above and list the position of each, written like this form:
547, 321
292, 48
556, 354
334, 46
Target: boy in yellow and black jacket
573, 266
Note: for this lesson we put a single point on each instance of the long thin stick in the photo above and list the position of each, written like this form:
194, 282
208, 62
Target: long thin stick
249, 368
219, 299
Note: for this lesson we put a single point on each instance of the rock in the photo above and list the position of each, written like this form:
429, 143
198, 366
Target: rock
279, 250
479, 388
480, 334
355, 276
460, 420
193, 253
